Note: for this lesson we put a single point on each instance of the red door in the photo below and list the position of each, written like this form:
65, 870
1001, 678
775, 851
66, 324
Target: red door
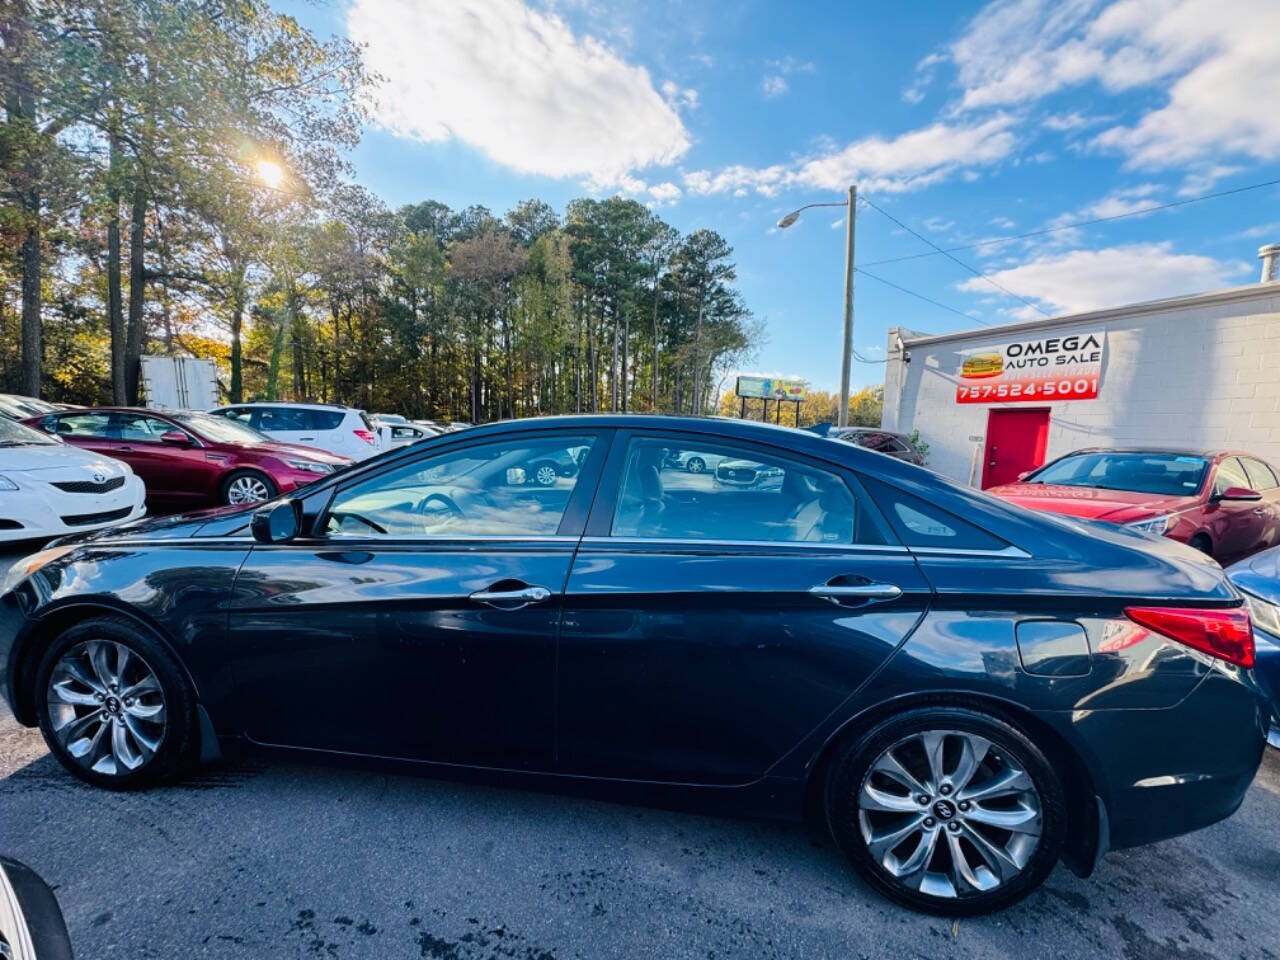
1016, 441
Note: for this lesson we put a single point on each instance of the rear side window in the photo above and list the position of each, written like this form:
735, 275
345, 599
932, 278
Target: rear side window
921, 524
324, 419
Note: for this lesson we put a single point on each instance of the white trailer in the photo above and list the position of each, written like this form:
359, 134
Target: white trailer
179, 383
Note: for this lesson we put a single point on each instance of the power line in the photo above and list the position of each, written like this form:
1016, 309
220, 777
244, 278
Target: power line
974, 270
921, 296
1072, 226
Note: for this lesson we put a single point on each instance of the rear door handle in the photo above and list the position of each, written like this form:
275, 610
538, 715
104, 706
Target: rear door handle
856, 591
504, 598
306, 438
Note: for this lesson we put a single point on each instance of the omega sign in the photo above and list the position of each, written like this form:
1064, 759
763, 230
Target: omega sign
1039, 370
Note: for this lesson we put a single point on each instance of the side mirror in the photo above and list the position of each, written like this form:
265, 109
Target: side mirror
175, 438
1238, 493
276, 522
31, 921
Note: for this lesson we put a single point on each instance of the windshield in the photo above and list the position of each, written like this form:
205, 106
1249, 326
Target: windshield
1163, 474
222, 430
16, 435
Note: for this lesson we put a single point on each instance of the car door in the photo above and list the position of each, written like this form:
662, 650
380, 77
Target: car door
172, 473
418, 619
90, 430
1236, 526
286, 424
1262, 477
708, 628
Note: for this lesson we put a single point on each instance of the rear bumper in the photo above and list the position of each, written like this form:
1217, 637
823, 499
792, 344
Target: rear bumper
1165, 772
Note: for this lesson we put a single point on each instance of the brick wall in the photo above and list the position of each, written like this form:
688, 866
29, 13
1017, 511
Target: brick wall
1197, 372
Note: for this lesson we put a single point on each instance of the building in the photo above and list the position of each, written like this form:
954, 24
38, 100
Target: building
1195, 371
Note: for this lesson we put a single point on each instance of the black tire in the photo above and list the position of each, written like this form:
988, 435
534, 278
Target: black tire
1202, 543
224, 490
177, 746
851, 768
695, 465
544, 473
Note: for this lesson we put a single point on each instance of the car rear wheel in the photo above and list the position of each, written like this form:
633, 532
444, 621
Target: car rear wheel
114, 706
696, 465
947, 810
247, 486
544, 474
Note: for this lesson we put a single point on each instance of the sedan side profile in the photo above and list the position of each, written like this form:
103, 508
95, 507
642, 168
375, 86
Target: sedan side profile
963, 692
1224, 504
188, 459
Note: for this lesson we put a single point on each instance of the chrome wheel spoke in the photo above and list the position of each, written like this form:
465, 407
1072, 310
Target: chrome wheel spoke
911, 870
997, 858
76, 729
62, 689
934, 743
125, 752
973, 751
963, 877
1007, 783
1021, 819
882, 843
873, 798
76, 671
148, 743
891, 767
99, 659
149, 684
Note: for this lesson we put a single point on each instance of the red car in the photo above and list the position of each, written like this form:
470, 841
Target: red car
1225, 504
189, 460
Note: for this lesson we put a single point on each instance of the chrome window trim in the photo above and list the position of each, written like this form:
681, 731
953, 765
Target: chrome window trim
786, 544
460, 538
1010, 551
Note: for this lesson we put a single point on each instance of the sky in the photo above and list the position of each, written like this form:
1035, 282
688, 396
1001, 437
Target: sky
962, 122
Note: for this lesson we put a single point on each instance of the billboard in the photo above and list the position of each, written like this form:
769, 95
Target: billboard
772, 388
1036, 370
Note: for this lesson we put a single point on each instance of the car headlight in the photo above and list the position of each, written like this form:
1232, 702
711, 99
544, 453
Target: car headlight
1157, 526
310, 466
29, 565
6, 483
1266, 616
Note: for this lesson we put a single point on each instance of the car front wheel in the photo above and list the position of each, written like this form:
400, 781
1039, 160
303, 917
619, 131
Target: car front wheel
544, 474
696, 465
114, 705
947, 810
247, 486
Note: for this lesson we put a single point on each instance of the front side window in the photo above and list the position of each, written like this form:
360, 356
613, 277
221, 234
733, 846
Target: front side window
139, 428
708, 491
505, 488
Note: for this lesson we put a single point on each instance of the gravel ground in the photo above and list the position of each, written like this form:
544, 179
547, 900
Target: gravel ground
258, 860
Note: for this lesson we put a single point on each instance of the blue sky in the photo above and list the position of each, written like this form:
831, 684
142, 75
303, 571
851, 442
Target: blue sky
965, 121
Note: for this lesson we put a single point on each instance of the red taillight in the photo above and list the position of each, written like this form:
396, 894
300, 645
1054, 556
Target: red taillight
1225, 634
365, 435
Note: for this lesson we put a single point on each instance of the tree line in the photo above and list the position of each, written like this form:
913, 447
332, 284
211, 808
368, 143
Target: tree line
175, 182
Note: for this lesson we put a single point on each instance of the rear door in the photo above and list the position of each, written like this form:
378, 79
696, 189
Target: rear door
1262, 477
1236, 526
88, 430
708, 627
419, 619
286, 424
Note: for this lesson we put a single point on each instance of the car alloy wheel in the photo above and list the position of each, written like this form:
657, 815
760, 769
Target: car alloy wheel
545, 475
696, 465
247, 489
106, 707
948, 814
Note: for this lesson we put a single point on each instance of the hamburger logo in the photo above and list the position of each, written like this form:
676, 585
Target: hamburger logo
982, 365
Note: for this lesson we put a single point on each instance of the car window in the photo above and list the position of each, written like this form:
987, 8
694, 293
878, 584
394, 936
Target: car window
323, 419
1230, 474
1161, 473
239, 414
670, 490
282, 418
140, 428
498, 489
921, 524
1261, 476
84, 425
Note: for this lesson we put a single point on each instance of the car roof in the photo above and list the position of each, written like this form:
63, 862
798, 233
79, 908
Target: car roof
286, 403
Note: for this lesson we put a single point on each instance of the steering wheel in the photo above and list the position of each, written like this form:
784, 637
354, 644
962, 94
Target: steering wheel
449, 505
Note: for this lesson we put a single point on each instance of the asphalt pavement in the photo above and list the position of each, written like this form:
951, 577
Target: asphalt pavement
280, 860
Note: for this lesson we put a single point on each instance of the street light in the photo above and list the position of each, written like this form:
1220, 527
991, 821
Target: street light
842, 416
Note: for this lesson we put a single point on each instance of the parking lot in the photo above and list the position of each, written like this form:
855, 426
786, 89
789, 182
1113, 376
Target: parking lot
259, 860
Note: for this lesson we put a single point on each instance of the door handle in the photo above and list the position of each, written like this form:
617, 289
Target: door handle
306, 438
521, 596
856, 591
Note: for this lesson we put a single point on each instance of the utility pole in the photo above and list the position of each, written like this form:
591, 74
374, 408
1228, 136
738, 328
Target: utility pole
846, 355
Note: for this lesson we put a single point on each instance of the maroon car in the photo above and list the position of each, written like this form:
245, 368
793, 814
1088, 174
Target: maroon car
1223, 503
188, 459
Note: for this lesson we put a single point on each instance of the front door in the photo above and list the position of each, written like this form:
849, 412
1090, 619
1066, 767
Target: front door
713, 619
172, 473
1016, 442
418, 620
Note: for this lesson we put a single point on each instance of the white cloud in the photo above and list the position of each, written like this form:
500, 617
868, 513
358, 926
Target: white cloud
679, 96
1203, 179
909, 161
1004, 223
1109, 277
774, 85
1118, 203
517, 84
939, 224
925, 72
666, 192
1215, 58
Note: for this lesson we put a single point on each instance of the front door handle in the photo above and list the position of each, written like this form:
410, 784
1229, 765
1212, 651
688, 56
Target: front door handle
836, 592
521, 596
306, 438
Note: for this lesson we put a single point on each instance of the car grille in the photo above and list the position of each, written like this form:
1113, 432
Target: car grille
84, 519
89, 486
743, 475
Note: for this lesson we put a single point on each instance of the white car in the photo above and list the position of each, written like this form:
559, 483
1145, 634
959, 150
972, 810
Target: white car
402, 434
326, 426
49, 488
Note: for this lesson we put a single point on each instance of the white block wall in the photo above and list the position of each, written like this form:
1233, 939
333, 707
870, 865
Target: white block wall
1199, 372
